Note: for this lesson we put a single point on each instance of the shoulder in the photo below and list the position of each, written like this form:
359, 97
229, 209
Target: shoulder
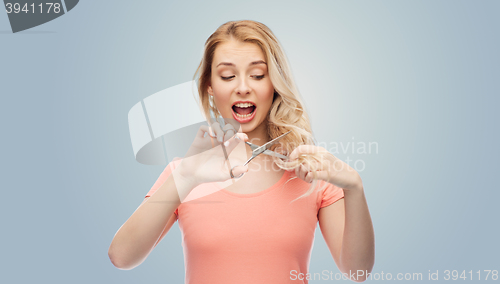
328, 194
164, 175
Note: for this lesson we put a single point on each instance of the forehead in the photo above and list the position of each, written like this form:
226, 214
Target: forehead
237, 52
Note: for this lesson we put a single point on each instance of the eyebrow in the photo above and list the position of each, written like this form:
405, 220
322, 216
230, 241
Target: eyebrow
231, 64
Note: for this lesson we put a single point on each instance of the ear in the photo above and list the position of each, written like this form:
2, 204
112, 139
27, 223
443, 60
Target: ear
210, 91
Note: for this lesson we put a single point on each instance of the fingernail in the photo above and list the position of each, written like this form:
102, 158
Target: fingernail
219, 138
226, 143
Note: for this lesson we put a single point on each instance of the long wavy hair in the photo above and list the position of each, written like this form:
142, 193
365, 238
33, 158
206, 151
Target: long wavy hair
287, 112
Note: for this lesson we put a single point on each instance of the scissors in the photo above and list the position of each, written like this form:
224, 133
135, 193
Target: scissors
257, 150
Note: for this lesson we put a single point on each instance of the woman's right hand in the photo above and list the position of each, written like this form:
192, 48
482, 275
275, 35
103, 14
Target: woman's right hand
205, 160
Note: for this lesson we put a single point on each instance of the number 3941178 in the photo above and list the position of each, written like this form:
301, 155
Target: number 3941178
479, 275
32, 8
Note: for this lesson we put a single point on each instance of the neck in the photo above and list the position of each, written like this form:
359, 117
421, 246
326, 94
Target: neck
259, 135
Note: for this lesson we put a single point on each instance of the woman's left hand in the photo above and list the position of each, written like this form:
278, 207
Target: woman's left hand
329, 168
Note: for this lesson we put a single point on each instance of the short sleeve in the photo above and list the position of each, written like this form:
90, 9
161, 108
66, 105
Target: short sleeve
162, 178
330, 194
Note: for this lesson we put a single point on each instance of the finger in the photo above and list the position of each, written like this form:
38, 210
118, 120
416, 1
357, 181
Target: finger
299, 172
309, 177
234, 141
218, 131
234, 123
303, 149
228, 126
229, 131
204, 129
302, 172
238, 170
302, 175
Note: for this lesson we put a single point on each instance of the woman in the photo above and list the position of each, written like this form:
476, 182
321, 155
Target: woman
259, 229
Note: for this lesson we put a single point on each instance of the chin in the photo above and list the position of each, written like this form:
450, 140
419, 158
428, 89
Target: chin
249, 127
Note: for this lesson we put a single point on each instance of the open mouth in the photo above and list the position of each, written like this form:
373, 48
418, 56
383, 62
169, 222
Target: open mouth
243, 110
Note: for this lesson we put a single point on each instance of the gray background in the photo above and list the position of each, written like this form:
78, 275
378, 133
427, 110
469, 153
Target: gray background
420, 78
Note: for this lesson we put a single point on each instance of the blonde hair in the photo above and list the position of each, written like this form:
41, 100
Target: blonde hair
287, 112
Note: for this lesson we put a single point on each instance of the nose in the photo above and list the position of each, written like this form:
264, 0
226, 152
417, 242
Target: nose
243, 87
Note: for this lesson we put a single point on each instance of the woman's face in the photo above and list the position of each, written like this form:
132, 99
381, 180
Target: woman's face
240, 83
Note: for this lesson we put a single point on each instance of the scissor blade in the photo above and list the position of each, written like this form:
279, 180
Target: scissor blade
272, 142
272, 153
252, 146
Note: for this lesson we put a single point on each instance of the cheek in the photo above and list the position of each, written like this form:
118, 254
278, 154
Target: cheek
221, 93
267, 95
221, 102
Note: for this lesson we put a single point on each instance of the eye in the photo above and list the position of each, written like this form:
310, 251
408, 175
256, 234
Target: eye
258, 77
227, 78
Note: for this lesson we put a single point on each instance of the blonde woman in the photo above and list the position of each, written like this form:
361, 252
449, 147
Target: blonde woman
259, 229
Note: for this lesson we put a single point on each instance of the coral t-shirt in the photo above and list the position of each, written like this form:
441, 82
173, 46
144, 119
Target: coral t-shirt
260, 237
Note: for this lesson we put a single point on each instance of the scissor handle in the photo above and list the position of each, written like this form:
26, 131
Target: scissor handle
231, 173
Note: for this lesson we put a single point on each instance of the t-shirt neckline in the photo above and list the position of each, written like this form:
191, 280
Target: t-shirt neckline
280, 182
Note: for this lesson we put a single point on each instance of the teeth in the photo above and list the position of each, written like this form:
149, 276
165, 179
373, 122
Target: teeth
244, 104
243, 116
